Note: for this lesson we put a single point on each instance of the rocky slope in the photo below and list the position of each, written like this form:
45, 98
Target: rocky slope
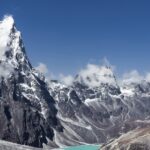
27, 111
97, 113
138, 139
4, 145
93, 109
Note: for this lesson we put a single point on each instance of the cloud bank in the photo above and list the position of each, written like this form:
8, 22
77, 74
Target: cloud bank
93, 75
134, 76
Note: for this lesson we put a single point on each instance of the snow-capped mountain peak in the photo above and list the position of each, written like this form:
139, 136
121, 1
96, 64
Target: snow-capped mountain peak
7, 23
94, 76
27, 107
90, 110
12, 51
5, 29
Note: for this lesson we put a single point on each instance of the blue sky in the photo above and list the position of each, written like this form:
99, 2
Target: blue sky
68, 34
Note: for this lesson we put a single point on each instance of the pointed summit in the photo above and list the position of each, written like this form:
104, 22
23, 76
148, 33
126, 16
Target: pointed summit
94, 76
8, 22
5, 29
12, 50
106, 63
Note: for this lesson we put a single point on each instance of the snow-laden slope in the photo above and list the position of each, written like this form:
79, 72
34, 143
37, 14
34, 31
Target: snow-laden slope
27, 111
93, 109
95, 113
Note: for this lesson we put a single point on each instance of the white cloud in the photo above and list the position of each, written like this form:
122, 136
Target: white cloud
5, 70
132, 77
106, 62
5, 29
67, 80
93, 75
147, 77
42, 68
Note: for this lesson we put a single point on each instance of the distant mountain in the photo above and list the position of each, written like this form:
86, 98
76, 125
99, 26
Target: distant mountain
35, 111
96, 114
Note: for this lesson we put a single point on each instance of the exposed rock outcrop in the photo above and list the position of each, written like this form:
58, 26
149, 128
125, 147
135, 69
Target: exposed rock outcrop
138, 139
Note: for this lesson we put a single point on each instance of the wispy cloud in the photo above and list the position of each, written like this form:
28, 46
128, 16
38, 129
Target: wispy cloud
93, 75
147, 77
5, 70
67, 80
132, 77
42, 68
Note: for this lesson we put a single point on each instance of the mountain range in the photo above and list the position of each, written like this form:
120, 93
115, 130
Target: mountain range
36, 111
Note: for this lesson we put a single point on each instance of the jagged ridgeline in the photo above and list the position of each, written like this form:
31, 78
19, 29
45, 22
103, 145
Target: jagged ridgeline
27, 111
35, 111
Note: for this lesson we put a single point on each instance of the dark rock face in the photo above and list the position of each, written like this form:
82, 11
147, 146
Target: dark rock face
19, 121
4, 145
34, 112
27, 111
98, 114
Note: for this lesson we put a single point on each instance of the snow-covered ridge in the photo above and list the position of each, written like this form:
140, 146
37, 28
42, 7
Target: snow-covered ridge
11, 45
25, 92
91, 110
